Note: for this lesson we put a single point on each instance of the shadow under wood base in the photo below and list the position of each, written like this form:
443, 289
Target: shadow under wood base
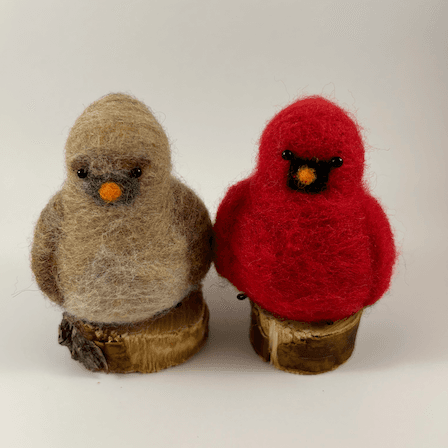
302, 347
148, 346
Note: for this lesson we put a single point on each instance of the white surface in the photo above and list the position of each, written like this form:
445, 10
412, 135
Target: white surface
215, 72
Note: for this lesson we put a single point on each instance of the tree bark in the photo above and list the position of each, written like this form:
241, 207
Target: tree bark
302, 347
149, 346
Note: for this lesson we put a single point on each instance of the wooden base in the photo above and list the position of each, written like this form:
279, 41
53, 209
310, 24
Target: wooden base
148, 346
301, 347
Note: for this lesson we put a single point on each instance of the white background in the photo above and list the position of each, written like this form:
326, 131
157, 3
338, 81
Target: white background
214, 72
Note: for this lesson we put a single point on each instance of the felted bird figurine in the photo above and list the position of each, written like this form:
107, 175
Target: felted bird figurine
123, 247
303, 238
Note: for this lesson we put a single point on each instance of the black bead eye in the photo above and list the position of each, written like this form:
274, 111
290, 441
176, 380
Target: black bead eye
82, 173
287, 155
136, 172
336, 162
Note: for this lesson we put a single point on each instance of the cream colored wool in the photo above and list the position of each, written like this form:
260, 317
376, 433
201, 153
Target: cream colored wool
121, 262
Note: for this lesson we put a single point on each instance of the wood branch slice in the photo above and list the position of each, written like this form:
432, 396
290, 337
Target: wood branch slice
302, 347
149, 346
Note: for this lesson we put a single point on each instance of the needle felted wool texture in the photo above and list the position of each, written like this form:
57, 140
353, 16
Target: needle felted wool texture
306, 247
123, 240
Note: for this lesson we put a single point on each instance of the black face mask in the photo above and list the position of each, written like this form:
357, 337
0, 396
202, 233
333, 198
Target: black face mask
315, 172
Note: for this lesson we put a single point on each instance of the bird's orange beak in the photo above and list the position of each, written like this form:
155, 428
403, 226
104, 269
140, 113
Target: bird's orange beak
110, 191
306, 175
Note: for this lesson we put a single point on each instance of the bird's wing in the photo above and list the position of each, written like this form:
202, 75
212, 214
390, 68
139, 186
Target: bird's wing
227, 220
193, 220
382, 247
44, 249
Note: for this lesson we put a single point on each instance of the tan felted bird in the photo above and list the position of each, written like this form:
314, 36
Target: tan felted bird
124, 246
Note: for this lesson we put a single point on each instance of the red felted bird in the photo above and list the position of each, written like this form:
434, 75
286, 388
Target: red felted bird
302, 237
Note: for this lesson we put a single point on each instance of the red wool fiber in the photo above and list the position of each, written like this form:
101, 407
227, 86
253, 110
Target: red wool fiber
306, 256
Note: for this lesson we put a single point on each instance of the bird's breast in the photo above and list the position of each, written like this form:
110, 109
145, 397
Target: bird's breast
127, 272
297, 254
